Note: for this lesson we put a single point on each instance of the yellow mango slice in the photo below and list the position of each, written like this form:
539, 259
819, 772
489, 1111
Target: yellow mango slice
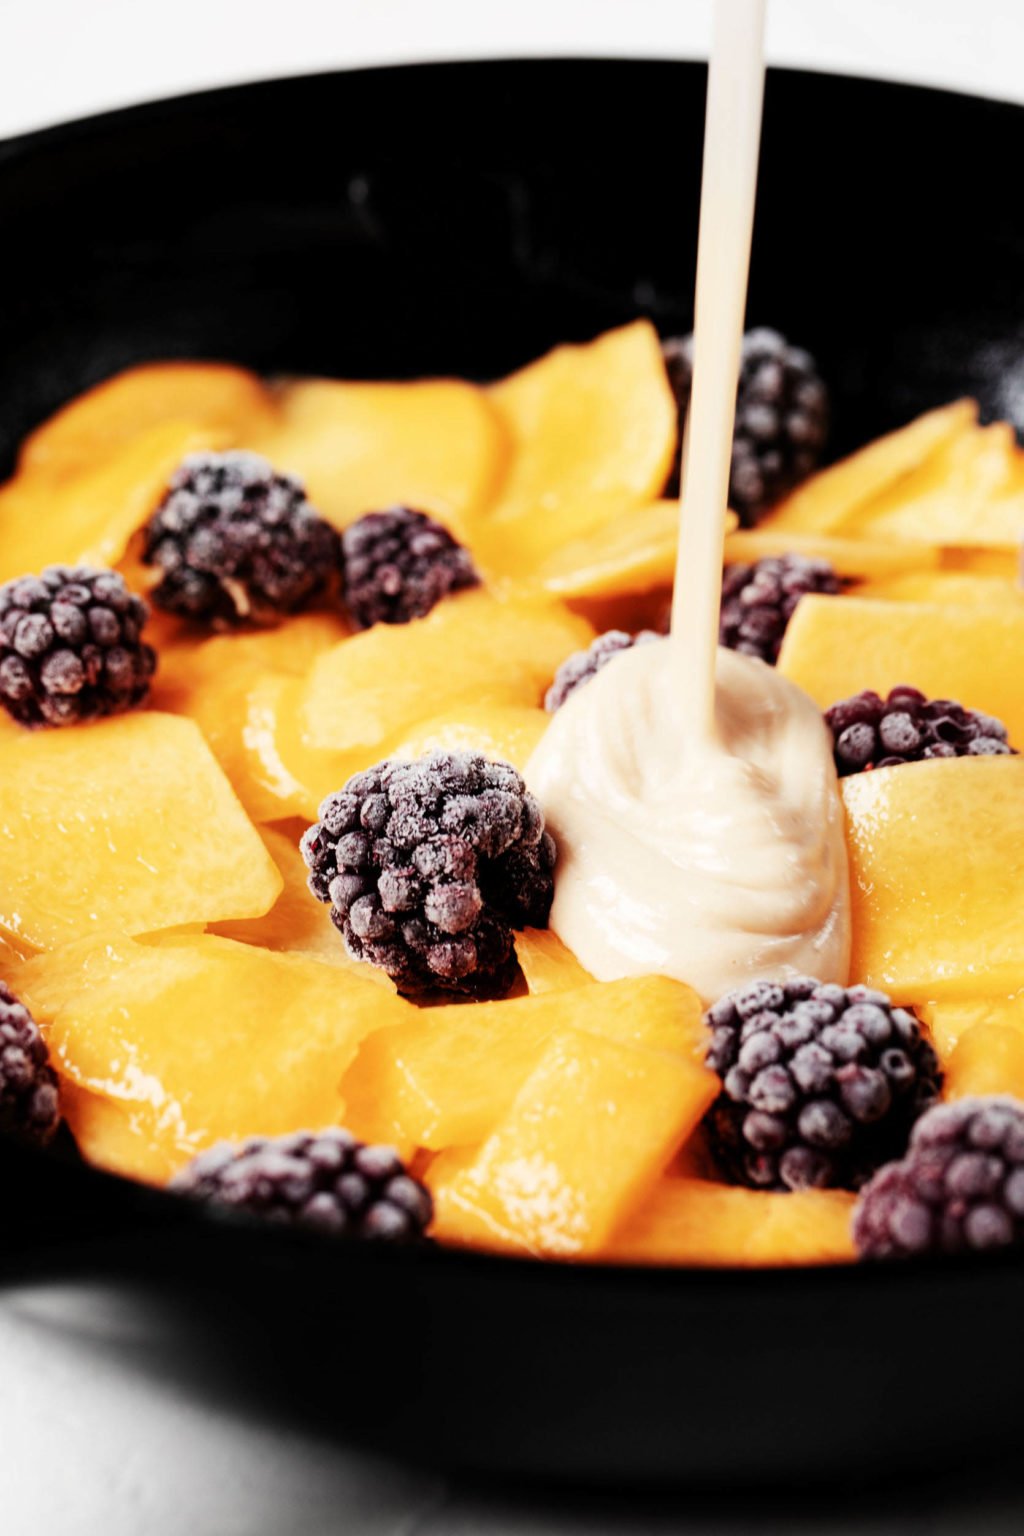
936, 872
856, 558
983, 562
124, 826
436, 445
592, 431
970, 492
472, 648
690, 1221
961, 589
297, 923
90, 515
632, 553
988, 1058
507, 733
835, 646
448, 1075
594, 1124
226, 400
547, 964
825, 502
199, 1039
947, 1021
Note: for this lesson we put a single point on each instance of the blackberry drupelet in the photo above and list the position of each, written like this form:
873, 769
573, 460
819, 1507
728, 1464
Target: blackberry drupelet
960, 1187
327, 1181
429, 865
821, 1083
781, 418
906, 727
71, 647
583, 665
759, 600
237, 542
29, 1108
399, 564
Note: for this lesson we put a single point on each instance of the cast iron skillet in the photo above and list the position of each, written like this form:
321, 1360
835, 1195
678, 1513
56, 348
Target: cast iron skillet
461, 219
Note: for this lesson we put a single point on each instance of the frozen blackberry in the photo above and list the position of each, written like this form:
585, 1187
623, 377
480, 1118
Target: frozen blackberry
820, 1083
583, 665
906, 727
236, 542
781, 418
960, 1187
399, 564
327, 1181
71, 647
758, 600
429, 865
28, 1087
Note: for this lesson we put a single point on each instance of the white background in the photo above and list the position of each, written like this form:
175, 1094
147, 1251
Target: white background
95, 1437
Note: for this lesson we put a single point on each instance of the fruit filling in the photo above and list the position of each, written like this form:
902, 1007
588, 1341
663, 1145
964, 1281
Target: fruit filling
331, 893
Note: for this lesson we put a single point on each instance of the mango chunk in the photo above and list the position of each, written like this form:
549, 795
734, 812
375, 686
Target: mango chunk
126, 826
297, 923
690, 1221
988, 1058
949, 1020
936, 871
835, 646
970, 492
633, 553
594, 1124
92, 513
855, 558
437, 445
471, 649
959, 589
226, 400
199, 1039
825, 502
547, 964
592, 431
507, 733
447, 1076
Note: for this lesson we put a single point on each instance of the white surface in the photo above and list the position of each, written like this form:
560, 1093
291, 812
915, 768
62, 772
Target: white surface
95, 1437
63, 58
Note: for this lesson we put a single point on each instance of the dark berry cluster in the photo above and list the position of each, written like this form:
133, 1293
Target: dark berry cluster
399, 564
906, 727
327, 1181
959, 1188
29, 1107
583, 665
71, 647
236, 542
820, 1083
759, 599
429, 865
781, 418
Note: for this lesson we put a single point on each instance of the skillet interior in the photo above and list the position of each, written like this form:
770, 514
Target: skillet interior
461, 219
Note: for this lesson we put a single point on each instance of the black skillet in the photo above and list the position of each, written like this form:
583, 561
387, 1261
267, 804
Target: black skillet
461, 219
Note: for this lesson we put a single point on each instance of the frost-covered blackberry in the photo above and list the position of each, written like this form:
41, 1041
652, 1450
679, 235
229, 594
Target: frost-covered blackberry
399, 564
71, 646
821, 1084
237, 542
581, 666
759, 599
781, 418
29, 1108
428, 866
960, 1187
907, 727
327, 1181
